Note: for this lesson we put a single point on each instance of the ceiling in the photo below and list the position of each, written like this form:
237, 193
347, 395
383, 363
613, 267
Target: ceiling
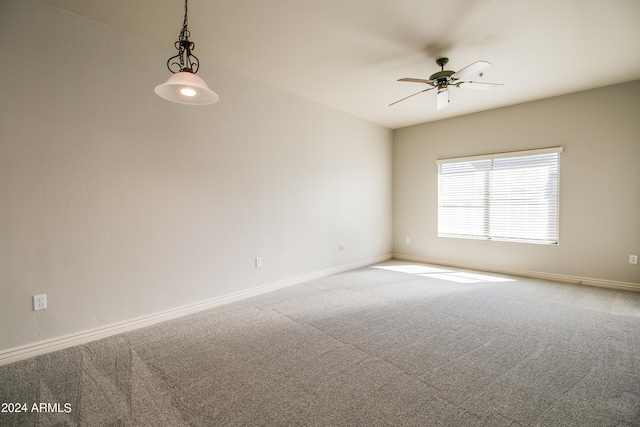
349, 54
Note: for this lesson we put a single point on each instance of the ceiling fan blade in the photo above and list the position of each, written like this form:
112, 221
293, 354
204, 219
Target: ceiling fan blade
443, 98
471, 69
480, 85
407, 97
408, 79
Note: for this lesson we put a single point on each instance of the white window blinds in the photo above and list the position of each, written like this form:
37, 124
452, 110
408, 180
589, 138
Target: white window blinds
506, 196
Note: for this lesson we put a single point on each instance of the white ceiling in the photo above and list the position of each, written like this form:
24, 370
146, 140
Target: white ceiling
348, 54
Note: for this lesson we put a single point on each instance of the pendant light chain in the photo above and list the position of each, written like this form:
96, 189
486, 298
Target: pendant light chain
185, 60
184, 25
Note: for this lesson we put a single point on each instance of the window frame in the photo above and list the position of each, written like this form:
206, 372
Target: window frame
488, 190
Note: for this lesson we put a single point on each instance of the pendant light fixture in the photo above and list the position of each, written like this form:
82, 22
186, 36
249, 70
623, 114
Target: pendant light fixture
184, 86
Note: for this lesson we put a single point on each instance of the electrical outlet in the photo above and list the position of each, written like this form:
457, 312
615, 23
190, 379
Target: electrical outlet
407, 240
633, 259
258, 262
39, 302
341, 247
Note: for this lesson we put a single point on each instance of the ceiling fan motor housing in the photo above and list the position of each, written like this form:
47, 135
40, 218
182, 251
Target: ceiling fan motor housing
442, 77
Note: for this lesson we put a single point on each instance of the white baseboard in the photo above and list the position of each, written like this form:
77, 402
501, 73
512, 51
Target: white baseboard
47, 346
602, 283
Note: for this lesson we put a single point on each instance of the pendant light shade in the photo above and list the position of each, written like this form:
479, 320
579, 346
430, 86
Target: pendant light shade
187, 88
184, 86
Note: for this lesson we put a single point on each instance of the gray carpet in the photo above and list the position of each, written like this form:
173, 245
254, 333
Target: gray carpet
390, 346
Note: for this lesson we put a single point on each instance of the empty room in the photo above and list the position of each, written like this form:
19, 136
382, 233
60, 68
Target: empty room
335, 213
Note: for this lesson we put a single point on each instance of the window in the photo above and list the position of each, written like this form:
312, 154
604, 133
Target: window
506, 196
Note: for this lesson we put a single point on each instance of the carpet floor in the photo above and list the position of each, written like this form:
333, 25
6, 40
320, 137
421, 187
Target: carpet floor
393, 344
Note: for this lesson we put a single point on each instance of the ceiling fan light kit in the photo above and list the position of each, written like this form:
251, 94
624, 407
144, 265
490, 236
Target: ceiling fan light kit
442, 100
184, 87
442, 79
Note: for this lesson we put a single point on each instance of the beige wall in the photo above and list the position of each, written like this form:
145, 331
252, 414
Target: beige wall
118, 204
599, 183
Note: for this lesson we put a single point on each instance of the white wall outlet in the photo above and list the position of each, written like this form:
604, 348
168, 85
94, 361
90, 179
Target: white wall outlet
633, 259
258, 262
39, 302
407, 240
379, 241
341, 247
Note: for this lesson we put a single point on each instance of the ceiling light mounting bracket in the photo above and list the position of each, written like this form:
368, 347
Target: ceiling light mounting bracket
442, 62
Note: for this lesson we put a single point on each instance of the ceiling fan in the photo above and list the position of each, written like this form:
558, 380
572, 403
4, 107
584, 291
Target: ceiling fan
445, 78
